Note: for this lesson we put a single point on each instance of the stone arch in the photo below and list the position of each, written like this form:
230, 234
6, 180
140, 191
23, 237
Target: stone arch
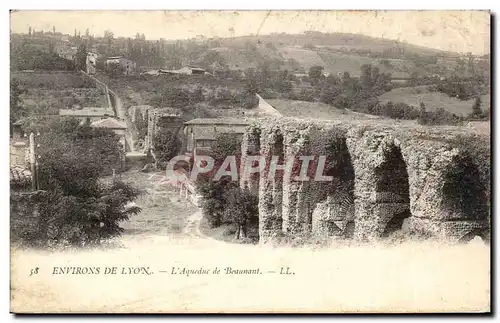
465, 196
392, 191
337, 195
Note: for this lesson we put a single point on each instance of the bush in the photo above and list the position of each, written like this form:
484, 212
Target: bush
166, 146
250, 101
26, 57
77, 208
439, 117
305, 95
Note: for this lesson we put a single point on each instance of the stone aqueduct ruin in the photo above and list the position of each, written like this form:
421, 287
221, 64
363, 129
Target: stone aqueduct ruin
392, 178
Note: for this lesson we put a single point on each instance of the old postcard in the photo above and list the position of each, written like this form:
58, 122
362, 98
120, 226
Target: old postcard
250, 161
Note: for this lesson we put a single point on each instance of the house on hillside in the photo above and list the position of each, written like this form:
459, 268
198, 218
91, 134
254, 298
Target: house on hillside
118, 127
201, 133
186, 70
67, 52
301, 76
128, 66
88, 114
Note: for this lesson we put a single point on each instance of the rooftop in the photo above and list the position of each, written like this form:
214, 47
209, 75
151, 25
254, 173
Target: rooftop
109, 123
87, 112
218, 121
204, 134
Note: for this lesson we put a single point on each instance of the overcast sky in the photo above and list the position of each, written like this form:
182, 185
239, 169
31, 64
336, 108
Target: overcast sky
459, 31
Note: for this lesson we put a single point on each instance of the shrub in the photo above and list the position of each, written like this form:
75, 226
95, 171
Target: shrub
166, 146
77, 208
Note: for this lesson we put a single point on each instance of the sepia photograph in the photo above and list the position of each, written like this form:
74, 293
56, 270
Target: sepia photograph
250, 161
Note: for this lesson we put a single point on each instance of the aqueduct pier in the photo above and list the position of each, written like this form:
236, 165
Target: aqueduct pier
387, 177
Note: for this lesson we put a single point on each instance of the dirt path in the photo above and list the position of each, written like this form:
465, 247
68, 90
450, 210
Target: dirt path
192, 230
192, 227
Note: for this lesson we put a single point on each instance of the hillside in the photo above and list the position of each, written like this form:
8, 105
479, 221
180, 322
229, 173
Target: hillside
432, 100
337, 53
314, 110
48, 91
334, 41
338, 63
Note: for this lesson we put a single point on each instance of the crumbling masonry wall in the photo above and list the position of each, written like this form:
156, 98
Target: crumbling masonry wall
400, 180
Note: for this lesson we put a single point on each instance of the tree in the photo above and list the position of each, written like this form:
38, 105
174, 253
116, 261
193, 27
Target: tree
81, 57
225, 145
329, 94
476, 108
198, 95
166, 146
251, 85
241, 208
422, 108
315, 74
108, 35
114, 69
176, 97
16, 110
79, 209
366, 77
213, 200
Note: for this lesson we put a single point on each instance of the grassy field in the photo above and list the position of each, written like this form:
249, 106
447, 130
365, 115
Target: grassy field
338, 62
306, 57
48, 101
236, 59
304, 109
52, 80
314, 110
138, 90
432, 100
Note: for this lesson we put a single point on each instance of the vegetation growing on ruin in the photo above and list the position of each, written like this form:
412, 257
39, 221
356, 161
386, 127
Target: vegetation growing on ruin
332, 145
473, 168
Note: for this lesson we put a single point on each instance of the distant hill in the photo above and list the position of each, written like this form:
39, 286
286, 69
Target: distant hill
336, 52
336, 41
